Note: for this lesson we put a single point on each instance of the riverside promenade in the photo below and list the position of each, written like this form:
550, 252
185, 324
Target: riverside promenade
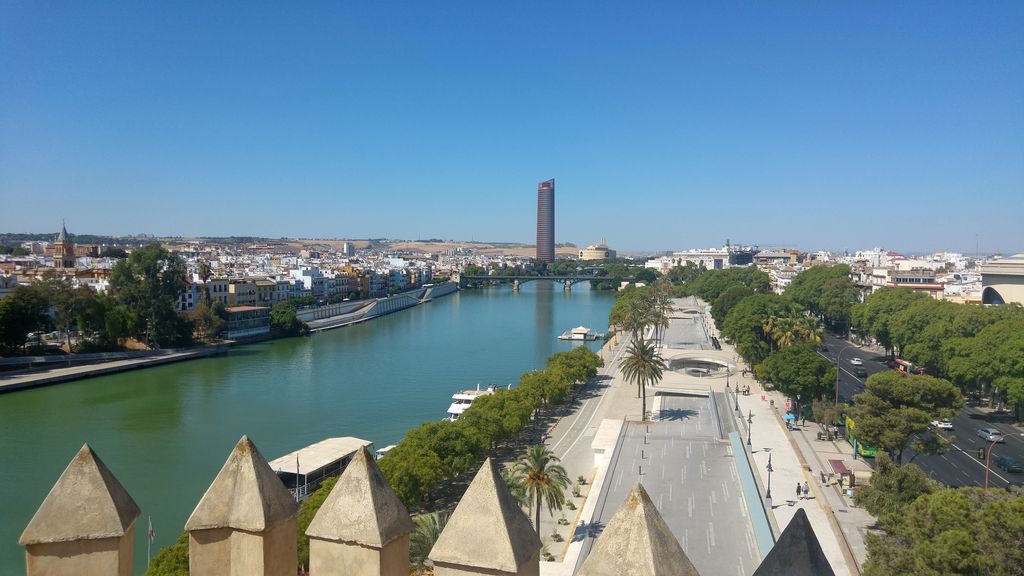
43, 377
588, 439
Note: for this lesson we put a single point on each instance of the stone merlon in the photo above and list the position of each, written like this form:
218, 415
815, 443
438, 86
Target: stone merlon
86, 503
361, 508
245, 495
488, 530
637, 541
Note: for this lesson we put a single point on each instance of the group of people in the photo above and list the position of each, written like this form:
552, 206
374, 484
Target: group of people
802, 490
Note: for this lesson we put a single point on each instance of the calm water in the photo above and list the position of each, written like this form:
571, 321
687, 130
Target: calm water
166, 431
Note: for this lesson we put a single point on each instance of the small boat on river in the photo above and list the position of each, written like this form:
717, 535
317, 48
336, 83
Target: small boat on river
580, 333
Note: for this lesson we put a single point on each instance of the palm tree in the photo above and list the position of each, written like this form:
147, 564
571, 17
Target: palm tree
516, 486
637, 317
544, 478
641, 365
423, 538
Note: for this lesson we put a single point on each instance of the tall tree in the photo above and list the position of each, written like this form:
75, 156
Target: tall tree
150, 282
893, 487
897, 407
544, 478
965, 531
642, 365
21, 312
800, 373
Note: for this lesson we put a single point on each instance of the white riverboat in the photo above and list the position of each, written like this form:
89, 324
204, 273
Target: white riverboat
580, 333
461, 401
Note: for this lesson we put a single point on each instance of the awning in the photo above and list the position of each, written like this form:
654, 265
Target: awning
838, 467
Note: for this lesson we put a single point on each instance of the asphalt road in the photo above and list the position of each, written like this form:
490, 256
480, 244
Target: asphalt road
960, 465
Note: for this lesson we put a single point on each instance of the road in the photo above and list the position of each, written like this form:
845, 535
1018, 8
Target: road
959, 466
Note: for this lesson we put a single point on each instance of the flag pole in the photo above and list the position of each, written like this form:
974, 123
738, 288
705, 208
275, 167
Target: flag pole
149, 542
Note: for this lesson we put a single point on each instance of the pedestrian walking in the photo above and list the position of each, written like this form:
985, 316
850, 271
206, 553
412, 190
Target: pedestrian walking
799, 491
807, 490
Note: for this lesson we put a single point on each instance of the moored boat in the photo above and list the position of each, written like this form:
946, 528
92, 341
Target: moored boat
461, 401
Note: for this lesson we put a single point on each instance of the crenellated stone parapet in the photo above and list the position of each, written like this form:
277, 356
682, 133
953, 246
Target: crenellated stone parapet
488, 533
85, 526
362, 528
245, 523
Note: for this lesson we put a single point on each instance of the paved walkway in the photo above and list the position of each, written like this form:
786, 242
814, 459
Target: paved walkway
797, 456
48, 376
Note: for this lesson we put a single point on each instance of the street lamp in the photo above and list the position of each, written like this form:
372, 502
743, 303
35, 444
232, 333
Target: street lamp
839, 370
768, 493
750, 420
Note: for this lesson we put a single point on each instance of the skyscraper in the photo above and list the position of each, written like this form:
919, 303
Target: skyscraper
546, 221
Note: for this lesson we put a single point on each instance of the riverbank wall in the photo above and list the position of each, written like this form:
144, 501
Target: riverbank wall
79, 366
348, 313
21, 380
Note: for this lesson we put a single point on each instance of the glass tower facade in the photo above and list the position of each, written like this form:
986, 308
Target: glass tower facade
546, 221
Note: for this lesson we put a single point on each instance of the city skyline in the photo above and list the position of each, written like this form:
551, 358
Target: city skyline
668, 126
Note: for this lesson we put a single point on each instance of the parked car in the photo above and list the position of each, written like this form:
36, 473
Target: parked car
856, 362
943, 424
1008, 464
991, 435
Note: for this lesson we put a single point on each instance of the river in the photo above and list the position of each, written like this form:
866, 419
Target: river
166, 431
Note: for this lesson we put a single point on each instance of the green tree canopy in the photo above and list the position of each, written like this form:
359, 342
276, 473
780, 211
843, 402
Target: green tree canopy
149, 283
800, 373
893, 487
826, 291
875, 316
745, 326
897, 407
726, 301
21, 312
713, 283
965, 531
285, 322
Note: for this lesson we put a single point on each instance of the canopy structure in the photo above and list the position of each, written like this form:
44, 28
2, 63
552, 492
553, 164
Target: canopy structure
316, 456
303, 470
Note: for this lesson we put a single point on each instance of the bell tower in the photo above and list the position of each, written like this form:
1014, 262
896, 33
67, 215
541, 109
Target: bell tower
63, 250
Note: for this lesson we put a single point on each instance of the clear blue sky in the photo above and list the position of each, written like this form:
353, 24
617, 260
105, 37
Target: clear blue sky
666, 125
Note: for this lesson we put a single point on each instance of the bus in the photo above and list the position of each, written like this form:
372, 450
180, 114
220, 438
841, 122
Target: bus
901, 365
851, 437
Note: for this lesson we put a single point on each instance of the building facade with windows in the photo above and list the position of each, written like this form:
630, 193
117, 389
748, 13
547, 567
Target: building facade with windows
546, 221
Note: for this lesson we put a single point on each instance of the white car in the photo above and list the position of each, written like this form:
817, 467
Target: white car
856, 362
943, 424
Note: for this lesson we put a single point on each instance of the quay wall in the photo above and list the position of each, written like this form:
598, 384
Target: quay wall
366, 310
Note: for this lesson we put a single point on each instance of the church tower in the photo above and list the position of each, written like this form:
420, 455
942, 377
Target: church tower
63, 250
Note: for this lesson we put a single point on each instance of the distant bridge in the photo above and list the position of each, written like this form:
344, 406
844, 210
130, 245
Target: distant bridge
517, 281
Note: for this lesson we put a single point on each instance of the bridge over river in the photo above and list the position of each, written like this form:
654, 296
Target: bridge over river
566, 281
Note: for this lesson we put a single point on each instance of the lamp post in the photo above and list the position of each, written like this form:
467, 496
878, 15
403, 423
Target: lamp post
839, 371
768, 492
750, 420
988, 456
